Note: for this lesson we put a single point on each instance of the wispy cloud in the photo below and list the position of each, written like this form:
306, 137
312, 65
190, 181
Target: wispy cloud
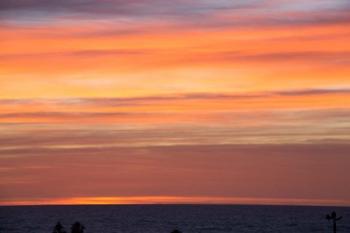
340, 58
123, 7
82, 132
183, 12
77, 53
173, 97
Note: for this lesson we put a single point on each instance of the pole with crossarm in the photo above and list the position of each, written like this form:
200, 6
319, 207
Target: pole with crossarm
334, 218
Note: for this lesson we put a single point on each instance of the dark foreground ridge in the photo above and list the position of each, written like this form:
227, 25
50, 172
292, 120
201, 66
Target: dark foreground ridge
77, 227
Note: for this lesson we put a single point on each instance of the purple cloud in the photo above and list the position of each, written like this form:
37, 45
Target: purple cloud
179, 12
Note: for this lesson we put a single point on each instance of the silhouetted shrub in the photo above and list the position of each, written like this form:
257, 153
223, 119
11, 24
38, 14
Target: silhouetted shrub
77, 227
176, 231
58, 228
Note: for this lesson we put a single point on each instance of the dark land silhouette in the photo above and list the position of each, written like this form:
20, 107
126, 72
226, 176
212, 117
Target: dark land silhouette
77, 227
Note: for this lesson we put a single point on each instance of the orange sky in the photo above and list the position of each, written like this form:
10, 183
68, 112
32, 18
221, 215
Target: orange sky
83, 85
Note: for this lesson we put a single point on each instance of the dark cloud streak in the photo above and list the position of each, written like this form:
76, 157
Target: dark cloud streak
189, 96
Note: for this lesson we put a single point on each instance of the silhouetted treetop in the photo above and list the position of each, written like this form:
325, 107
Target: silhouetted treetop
58, 228
77, 227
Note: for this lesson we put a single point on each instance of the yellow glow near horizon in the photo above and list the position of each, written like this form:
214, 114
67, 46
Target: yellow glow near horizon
151, 200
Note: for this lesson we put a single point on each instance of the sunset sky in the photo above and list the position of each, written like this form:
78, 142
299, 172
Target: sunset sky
179, 101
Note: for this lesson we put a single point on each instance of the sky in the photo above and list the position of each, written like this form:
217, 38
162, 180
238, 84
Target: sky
182, 101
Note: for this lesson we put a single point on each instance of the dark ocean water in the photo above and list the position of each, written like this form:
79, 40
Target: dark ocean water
165, 218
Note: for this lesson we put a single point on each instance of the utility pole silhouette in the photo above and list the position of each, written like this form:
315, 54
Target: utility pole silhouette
334, 218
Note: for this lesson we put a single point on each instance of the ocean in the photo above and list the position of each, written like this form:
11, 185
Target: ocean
165, 218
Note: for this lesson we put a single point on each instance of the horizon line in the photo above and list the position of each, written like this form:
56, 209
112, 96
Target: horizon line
175, 200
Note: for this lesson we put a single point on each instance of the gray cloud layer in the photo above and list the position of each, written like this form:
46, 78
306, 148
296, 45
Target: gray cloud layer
184, 12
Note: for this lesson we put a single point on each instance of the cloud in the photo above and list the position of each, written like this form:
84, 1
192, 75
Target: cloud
277, 171
87, 131
179, 12
122, 6
115, 8
307, 92
130, 101
91, 53
329, 57
62, 115
321, 57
